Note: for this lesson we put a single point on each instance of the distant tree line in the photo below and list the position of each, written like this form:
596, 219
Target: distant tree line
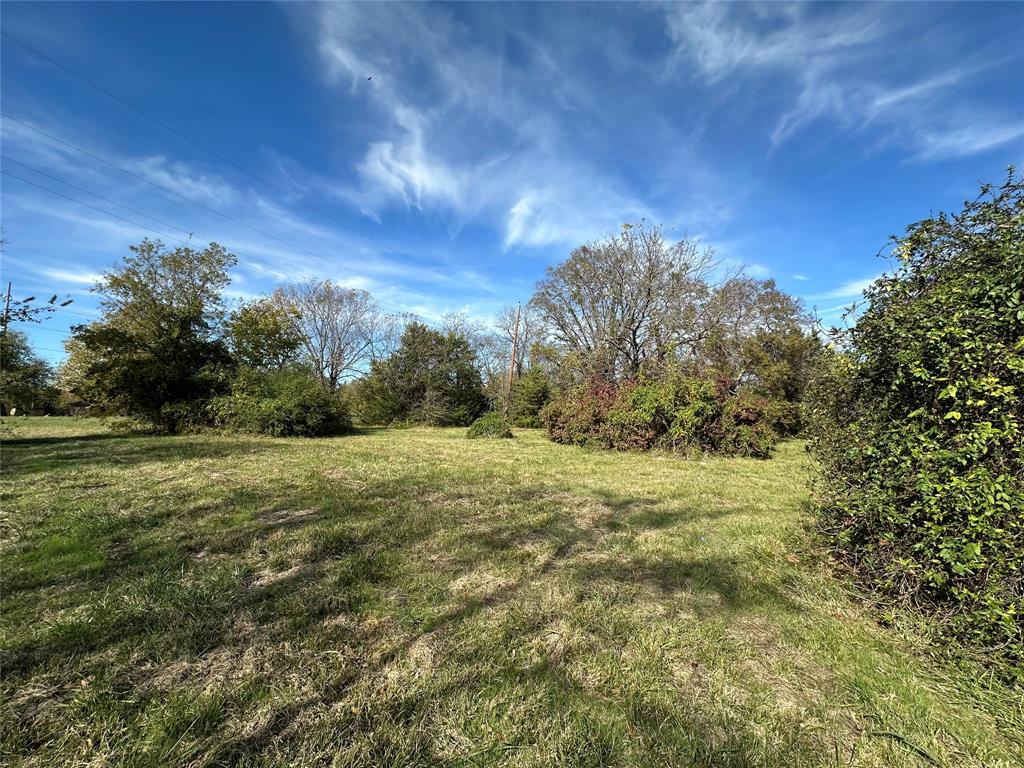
620, 316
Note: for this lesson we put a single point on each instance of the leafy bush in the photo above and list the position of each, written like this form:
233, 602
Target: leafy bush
531, 393
917, 425
579, 415
432, 378
489, 425
672, 412
286, 404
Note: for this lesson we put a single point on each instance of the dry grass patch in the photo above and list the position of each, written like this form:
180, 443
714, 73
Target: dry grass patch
412, 598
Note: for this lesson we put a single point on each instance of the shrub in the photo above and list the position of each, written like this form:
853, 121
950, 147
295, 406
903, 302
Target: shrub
579, 415
289, 404
673, 412
489, 425
432, 378
532, 392
916, 425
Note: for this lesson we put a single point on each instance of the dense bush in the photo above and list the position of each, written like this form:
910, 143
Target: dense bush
489, 425
917, 425
285, 404
432, 378
531, 393
673, 412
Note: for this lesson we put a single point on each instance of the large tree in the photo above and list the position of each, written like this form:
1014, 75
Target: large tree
747, 325
626, 300
157, 353
342, 329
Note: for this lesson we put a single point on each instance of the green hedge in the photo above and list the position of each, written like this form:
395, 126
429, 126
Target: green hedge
489, 425
280, 405
917, 426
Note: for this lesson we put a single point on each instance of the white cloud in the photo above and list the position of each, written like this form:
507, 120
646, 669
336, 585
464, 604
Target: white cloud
830, 60
183, 179
850, 289
464, 133
780, 36
77, 277
966, 139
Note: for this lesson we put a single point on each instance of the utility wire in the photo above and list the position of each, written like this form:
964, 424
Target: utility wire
193, 235
93, 207
232, 163
176, 194
134, 223
44, 329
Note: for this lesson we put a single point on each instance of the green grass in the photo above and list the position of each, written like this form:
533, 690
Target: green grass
411, 597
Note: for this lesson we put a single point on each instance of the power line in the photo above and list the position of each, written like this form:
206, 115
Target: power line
180, 196
9, 159
161, 221
46, 330
87, 205
230, 162
141, 213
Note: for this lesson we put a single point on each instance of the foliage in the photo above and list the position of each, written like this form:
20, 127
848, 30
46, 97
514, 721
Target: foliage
489, 425
530, 393
622, 301
26, 381
674, 412
431, 378
280, 404
917, 424
156, 355
263, 335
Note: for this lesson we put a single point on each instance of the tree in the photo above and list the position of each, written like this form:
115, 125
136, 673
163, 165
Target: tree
625, 300
753, 333
157, 353
532, 330
431, 378
342, 329
26, 381
489, 349
264, 335
530, 393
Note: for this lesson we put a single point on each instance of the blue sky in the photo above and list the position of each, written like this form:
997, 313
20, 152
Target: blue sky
441, 156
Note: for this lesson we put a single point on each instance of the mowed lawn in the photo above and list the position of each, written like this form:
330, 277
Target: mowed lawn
411, 597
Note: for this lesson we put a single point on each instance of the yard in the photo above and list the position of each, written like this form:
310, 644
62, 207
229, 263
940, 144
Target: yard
410, 597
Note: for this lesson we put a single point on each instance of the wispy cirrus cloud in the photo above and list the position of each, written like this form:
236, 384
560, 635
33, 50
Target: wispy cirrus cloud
467, 134
838, 63
183, 178
73, 276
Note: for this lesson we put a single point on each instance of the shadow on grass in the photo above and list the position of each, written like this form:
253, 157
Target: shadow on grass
358, 540
29, 456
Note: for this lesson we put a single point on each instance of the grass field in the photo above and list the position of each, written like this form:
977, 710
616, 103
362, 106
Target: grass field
410, 597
